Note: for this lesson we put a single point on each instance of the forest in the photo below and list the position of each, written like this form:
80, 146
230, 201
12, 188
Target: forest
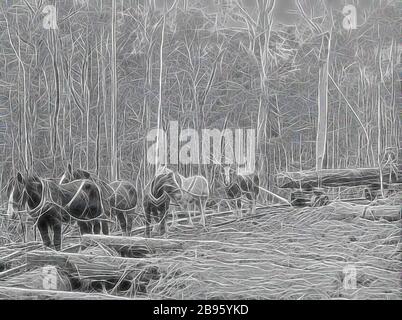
87, 89
94, 210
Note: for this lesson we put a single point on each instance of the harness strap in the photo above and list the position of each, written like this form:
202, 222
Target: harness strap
240, 188
76, 194
115, 200
47, 195
157, 201
189, 190
42, 201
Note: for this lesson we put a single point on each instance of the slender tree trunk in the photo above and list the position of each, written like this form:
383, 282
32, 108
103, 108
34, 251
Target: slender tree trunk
160, 93
114, 98
322, 125
55, 138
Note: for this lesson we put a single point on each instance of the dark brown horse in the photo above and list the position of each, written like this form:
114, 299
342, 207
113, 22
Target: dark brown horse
242, 187
120, 196
160, 192
51, 204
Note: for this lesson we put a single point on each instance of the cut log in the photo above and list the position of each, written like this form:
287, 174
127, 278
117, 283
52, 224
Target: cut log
94, 267
133, 243
13, 271
389, 213
149, 244
336, 178
66, 260
29, 294
21, 246
212, 214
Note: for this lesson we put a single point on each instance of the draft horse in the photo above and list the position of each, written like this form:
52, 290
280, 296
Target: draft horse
51, 205
241, 187
120, 196
195, 190
159, 193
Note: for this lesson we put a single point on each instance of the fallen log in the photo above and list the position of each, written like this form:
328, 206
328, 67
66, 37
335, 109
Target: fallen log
389, 213
13, 254
21, 246
29, 294
13, 271
152, 245
94, 267
336, 178
65, 260
133, 243
212, 214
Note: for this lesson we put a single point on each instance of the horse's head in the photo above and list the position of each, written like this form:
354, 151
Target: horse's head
71, 175
16, 194
228, 175
22, 191
171, 186
162, 170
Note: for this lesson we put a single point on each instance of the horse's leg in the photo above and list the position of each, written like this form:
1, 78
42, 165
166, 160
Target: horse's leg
57, 236
44, 232
155, 214
171, 211
81, 227
250, 199
235, 204
202, 204
96, 227
195, 208
105, 224
232, 204
122, 221
130, 218
188, 209
254, 205
147, 222
84, 227
173, 221
175, 218
162, 221
105, 227
239, 212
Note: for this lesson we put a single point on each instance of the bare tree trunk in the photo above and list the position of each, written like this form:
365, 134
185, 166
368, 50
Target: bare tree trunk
114, 100
24, 143
160, 93
322, 125
55, 138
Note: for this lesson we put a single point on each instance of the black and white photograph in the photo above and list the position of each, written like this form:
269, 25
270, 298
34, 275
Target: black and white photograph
200, 150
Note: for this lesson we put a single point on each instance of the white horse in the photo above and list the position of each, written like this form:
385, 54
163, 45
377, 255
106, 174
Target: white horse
195, 190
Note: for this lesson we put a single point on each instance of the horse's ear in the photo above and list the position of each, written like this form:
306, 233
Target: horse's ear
69, 168
87, 175
35, 177
20, 178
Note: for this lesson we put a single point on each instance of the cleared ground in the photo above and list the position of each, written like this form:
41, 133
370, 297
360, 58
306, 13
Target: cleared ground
281, 253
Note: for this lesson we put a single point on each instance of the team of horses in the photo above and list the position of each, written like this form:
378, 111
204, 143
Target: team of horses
81, 197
